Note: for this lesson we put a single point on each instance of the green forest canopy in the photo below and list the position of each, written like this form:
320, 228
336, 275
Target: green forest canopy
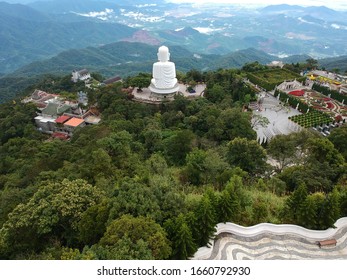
170, 172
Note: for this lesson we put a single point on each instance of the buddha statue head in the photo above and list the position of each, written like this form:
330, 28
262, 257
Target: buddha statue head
163, 54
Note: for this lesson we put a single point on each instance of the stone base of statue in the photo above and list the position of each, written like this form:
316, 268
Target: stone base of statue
163, 94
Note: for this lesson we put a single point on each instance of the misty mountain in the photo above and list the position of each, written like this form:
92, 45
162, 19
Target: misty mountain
43, 29
319, 12
27, 35
124, 58
21, 12
78, 6
334, 63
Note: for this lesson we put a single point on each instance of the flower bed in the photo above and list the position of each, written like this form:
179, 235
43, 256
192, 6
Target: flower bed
330, 105
297, 92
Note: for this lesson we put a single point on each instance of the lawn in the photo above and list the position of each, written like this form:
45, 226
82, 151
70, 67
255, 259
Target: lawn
270, 78
276, 76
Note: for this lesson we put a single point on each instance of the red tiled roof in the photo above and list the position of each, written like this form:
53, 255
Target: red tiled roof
74, 122
62, 119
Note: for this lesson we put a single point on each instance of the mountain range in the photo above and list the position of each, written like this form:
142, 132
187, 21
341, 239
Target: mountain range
121, 38
41, 30
125, 58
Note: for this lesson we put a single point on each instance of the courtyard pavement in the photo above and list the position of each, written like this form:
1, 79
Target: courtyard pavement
277, 114
269, 241
146, 96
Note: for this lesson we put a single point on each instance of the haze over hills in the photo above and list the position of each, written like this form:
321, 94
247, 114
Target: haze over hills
42, 29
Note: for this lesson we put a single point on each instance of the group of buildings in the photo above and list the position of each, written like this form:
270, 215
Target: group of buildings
59, 117
330, 80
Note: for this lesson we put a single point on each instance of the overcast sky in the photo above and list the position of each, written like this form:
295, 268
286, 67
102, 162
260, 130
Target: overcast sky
336, 4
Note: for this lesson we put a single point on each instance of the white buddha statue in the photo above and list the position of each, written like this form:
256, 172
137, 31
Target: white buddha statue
164, 74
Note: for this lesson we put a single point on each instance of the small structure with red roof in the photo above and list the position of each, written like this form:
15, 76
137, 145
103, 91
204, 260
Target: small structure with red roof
73, 123
62, 119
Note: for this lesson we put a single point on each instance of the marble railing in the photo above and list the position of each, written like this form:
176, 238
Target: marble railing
265, 228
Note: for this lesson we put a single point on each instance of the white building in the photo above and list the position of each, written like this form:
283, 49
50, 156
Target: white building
279, 64
81, 75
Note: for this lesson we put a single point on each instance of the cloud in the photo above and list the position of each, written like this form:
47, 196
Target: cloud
102, 15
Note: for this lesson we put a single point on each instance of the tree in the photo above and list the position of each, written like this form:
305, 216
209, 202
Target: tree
137, 229
307, 216
92, 225
183, 244
295, 203
260, 211
123, 249
225, 207
215, 94
204, 226
330, 210
136, 199
140, 81
97, 76
248, 155
195, 166
283, 150
215, 168
338, 138
312, 63
178, 146
235, 123
54, 211
153, 140
259, 121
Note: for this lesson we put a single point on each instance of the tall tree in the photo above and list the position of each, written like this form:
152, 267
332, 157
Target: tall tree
136, 229
183, 244
248, 155
53, 212
283, 150
338, 138
204, 227
295, 203
178, 146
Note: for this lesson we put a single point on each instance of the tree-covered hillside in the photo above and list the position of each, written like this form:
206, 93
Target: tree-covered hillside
124, 59
27, 35
151, 182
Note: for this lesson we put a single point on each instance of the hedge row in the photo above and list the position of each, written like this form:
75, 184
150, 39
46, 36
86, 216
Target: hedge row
333, 93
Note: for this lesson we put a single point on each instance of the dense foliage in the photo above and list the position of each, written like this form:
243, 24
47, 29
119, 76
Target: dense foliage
151, 182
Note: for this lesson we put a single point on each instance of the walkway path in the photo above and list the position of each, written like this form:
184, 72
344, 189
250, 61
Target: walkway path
269, 241
277, 114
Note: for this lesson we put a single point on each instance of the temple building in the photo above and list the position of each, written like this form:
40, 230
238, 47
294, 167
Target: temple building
164, 84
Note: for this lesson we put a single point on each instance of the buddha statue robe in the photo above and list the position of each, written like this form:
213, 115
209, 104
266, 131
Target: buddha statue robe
164, 73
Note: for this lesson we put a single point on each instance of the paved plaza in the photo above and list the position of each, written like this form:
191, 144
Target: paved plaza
275, 242
277, 114
146, 96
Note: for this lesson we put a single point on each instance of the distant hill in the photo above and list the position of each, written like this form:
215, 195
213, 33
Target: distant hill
240, 58
21, 12
81, 6
121, 58
125, 59
334, 63
280, 8
26, 35
296, 58
319, 12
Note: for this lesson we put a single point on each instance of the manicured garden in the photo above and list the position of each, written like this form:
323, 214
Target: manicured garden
270, 78
317, 108
311, 119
